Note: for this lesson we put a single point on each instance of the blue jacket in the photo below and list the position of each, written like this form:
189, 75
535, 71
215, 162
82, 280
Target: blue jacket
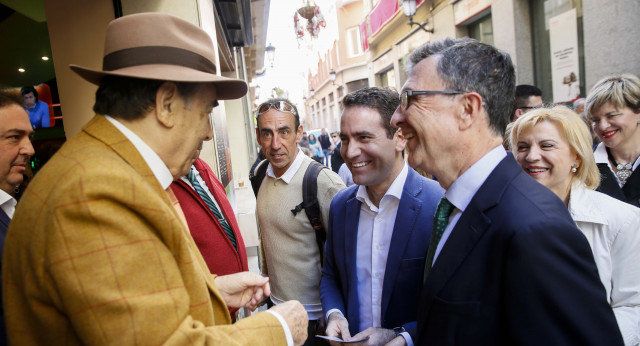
405, 262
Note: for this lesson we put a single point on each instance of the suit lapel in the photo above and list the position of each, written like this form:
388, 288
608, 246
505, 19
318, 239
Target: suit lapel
469, 229
352, 218
631, 188
404, 226
4, 220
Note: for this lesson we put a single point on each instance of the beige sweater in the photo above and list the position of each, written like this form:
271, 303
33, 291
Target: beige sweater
289, 242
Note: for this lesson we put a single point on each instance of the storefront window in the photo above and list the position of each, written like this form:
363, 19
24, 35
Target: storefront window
387, 78
482, 30
541, 13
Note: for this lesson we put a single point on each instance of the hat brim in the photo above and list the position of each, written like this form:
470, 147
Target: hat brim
226, 88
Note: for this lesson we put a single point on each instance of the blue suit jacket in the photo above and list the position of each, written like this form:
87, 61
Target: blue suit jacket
515, 271
405, 262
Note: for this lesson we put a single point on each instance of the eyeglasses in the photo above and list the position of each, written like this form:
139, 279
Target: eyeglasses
404, 96
534, 107
282, 106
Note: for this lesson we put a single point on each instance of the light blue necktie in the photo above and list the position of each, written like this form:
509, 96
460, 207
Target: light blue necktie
212, 206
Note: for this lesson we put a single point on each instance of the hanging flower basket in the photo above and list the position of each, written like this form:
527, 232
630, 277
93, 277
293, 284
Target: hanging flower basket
307, 12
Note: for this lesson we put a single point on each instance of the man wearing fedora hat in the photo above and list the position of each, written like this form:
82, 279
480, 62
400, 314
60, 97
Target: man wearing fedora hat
98, 251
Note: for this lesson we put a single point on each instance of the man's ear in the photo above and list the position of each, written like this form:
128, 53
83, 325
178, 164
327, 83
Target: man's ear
470, 109
167, 98
299, 134
517, 115
258, 136
399, 141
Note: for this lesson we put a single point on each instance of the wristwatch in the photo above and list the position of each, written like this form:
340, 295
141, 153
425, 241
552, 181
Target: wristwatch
399, 330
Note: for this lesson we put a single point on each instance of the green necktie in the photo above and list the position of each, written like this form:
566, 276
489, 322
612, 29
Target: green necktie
440, 222
212, 206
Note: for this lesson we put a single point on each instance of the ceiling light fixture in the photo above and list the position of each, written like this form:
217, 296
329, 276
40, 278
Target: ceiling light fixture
21, 69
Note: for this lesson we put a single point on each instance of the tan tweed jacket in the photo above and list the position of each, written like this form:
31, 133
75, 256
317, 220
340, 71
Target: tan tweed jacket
97, 255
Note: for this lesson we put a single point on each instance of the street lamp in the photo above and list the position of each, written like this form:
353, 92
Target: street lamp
332, 76
410, 11
271, 53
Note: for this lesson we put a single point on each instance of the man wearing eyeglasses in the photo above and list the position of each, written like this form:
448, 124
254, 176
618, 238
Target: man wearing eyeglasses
506, 265
528, 97
291, 252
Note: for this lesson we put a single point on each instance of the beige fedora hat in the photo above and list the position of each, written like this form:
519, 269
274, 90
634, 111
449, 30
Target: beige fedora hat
162, 47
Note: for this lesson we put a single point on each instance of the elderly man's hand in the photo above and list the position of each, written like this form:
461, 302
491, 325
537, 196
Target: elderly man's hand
337, 326
243, 289
296, 317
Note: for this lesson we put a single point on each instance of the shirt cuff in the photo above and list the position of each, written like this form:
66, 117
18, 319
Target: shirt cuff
326, 317
407, 338
287, 332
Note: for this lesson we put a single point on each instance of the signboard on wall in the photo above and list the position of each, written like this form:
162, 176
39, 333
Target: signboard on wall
565, 66
221, 138
465, 9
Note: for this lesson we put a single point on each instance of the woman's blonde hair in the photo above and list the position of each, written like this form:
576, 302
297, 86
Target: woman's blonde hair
572, 128
620, 90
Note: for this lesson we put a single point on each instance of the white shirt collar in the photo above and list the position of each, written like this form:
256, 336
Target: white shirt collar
394, 190
7, 203
288, 175
601, 156
155, 163
465, 187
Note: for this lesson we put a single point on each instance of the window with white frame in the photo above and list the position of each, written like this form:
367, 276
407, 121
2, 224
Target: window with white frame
354, 45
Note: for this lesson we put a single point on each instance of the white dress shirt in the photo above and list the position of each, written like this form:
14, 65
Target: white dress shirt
375, 228
7, 203
164, 177
461, 192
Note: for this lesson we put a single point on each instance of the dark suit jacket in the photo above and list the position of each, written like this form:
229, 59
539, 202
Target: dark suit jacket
336, 158
405, 263
629, 193
515, 271
4, 225
213, 243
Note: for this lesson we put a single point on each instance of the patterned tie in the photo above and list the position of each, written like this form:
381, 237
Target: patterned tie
212, 206
439, 224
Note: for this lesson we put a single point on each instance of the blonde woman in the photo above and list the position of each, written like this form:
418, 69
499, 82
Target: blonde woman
614, 107
554, 147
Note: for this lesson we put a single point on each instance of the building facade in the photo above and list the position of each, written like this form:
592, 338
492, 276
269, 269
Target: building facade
562, 46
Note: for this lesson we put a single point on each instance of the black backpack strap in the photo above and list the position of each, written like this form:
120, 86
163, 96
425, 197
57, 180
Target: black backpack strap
311, 205
258, 176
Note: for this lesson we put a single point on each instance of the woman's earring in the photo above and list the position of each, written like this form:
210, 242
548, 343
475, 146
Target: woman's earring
574, 168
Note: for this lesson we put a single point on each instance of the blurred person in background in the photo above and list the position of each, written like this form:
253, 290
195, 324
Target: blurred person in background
336, 156
554, 147
528, 97
315, 148
38, 110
